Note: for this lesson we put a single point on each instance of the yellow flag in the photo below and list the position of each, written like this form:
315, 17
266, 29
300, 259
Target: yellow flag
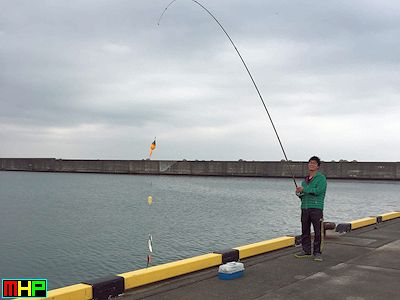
152, 146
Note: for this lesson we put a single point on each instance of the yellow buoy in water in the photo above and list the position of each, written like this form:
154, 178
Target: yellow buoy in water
150, 200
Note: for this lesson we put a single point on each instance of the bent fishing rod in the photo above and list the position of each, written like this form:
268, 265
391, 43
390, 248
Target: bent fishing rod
248, 72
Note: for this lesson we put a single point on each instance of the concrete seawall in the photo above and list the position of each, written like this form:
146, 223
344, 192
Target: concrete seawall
278, 169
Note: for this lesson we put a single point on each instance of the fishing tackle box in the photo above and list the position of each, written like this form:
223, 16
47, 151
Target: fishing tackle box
231, 270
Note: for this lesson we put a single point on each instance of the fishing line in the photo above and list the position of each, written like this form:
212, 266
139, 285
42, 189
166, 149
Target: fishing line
248, 72
150, 202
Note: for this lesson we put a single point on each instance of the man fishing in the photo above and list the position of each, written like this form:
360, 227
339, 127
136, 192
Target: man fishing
312, 194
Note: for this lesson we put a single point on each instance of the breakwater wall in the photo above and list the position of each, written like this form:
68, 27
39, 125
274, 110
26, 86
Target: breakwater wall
339, 170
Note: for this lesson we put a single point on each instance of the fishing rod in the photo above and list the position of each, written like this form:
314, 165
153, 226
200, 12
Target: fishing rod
248, 72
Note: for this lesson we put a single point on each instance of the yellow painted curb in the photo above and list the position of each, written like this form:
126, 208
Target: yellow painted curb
265, 246
362, 222
390, 215
157, 273
72, 292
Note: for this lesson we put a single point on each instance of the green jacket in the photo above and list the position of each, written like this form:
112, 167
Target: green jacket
314, 192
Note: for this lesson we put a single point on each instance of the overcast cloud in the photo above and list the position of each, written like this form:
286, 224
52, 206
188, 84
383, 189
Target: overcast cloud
98, 79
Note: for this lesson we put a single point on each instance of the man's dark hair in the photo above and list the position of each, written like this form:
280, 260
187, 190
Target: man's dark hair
315, 158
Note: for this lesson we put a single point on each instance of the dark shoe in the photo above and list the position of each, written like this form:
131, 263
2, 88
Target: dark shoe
318, 257
302, 254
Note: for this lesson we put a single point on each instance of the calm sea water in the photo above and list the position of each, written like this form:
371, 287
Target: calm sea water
73, 227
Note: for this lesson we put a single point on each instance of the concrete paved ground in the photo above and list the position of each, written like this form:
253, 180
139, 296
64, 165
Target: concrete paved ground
363, 264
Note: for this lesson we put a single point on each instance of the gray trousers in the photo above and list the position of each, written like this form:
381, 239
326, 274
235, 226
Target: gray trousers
311, 216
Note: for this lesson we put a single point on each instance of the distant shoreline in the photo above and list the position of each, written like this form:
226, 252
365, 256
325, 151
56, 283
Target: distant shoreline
241, 168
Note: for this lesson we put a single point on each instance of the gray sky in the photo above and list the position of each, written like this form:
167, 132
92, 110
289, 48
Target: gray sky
98, 79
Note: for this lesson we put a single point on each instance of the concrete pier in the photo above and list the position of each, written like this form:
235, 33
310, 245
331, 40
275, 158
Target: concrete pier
277, 169
362, 264
361, 260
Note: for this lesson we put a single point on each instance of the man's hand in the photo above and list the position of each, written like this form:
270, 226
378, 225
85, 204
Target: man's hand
299, 190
